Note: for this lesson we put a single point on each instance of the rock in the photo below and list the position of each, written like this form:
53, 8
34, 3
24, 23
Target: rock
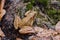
57, 27
8, 38
39, 38
33, 38
57, 37
45, 38
46, 33
41, 32
38, 29
55, 2
26, 30
53, 32
7, 24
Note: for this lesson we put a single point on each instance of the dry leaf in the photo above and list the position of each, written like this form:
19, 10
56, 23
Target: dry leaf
53, 32
39, 38
2, 11
45, 33
57, 37
2, 14
0, 7
1, 33
2, 4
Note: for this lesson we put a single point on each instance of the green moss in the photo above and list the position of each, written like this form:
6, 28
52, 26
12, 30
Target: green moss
58, 11
54, 14
44, 2
32, 2
29, 6
51, 12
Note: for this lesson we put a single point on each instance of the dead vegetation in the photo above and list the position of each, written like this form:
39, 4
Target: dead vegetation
2, 11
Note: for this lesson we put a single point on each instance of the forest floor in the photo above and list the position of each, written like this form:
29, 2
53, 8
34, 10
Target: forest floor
29, 20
